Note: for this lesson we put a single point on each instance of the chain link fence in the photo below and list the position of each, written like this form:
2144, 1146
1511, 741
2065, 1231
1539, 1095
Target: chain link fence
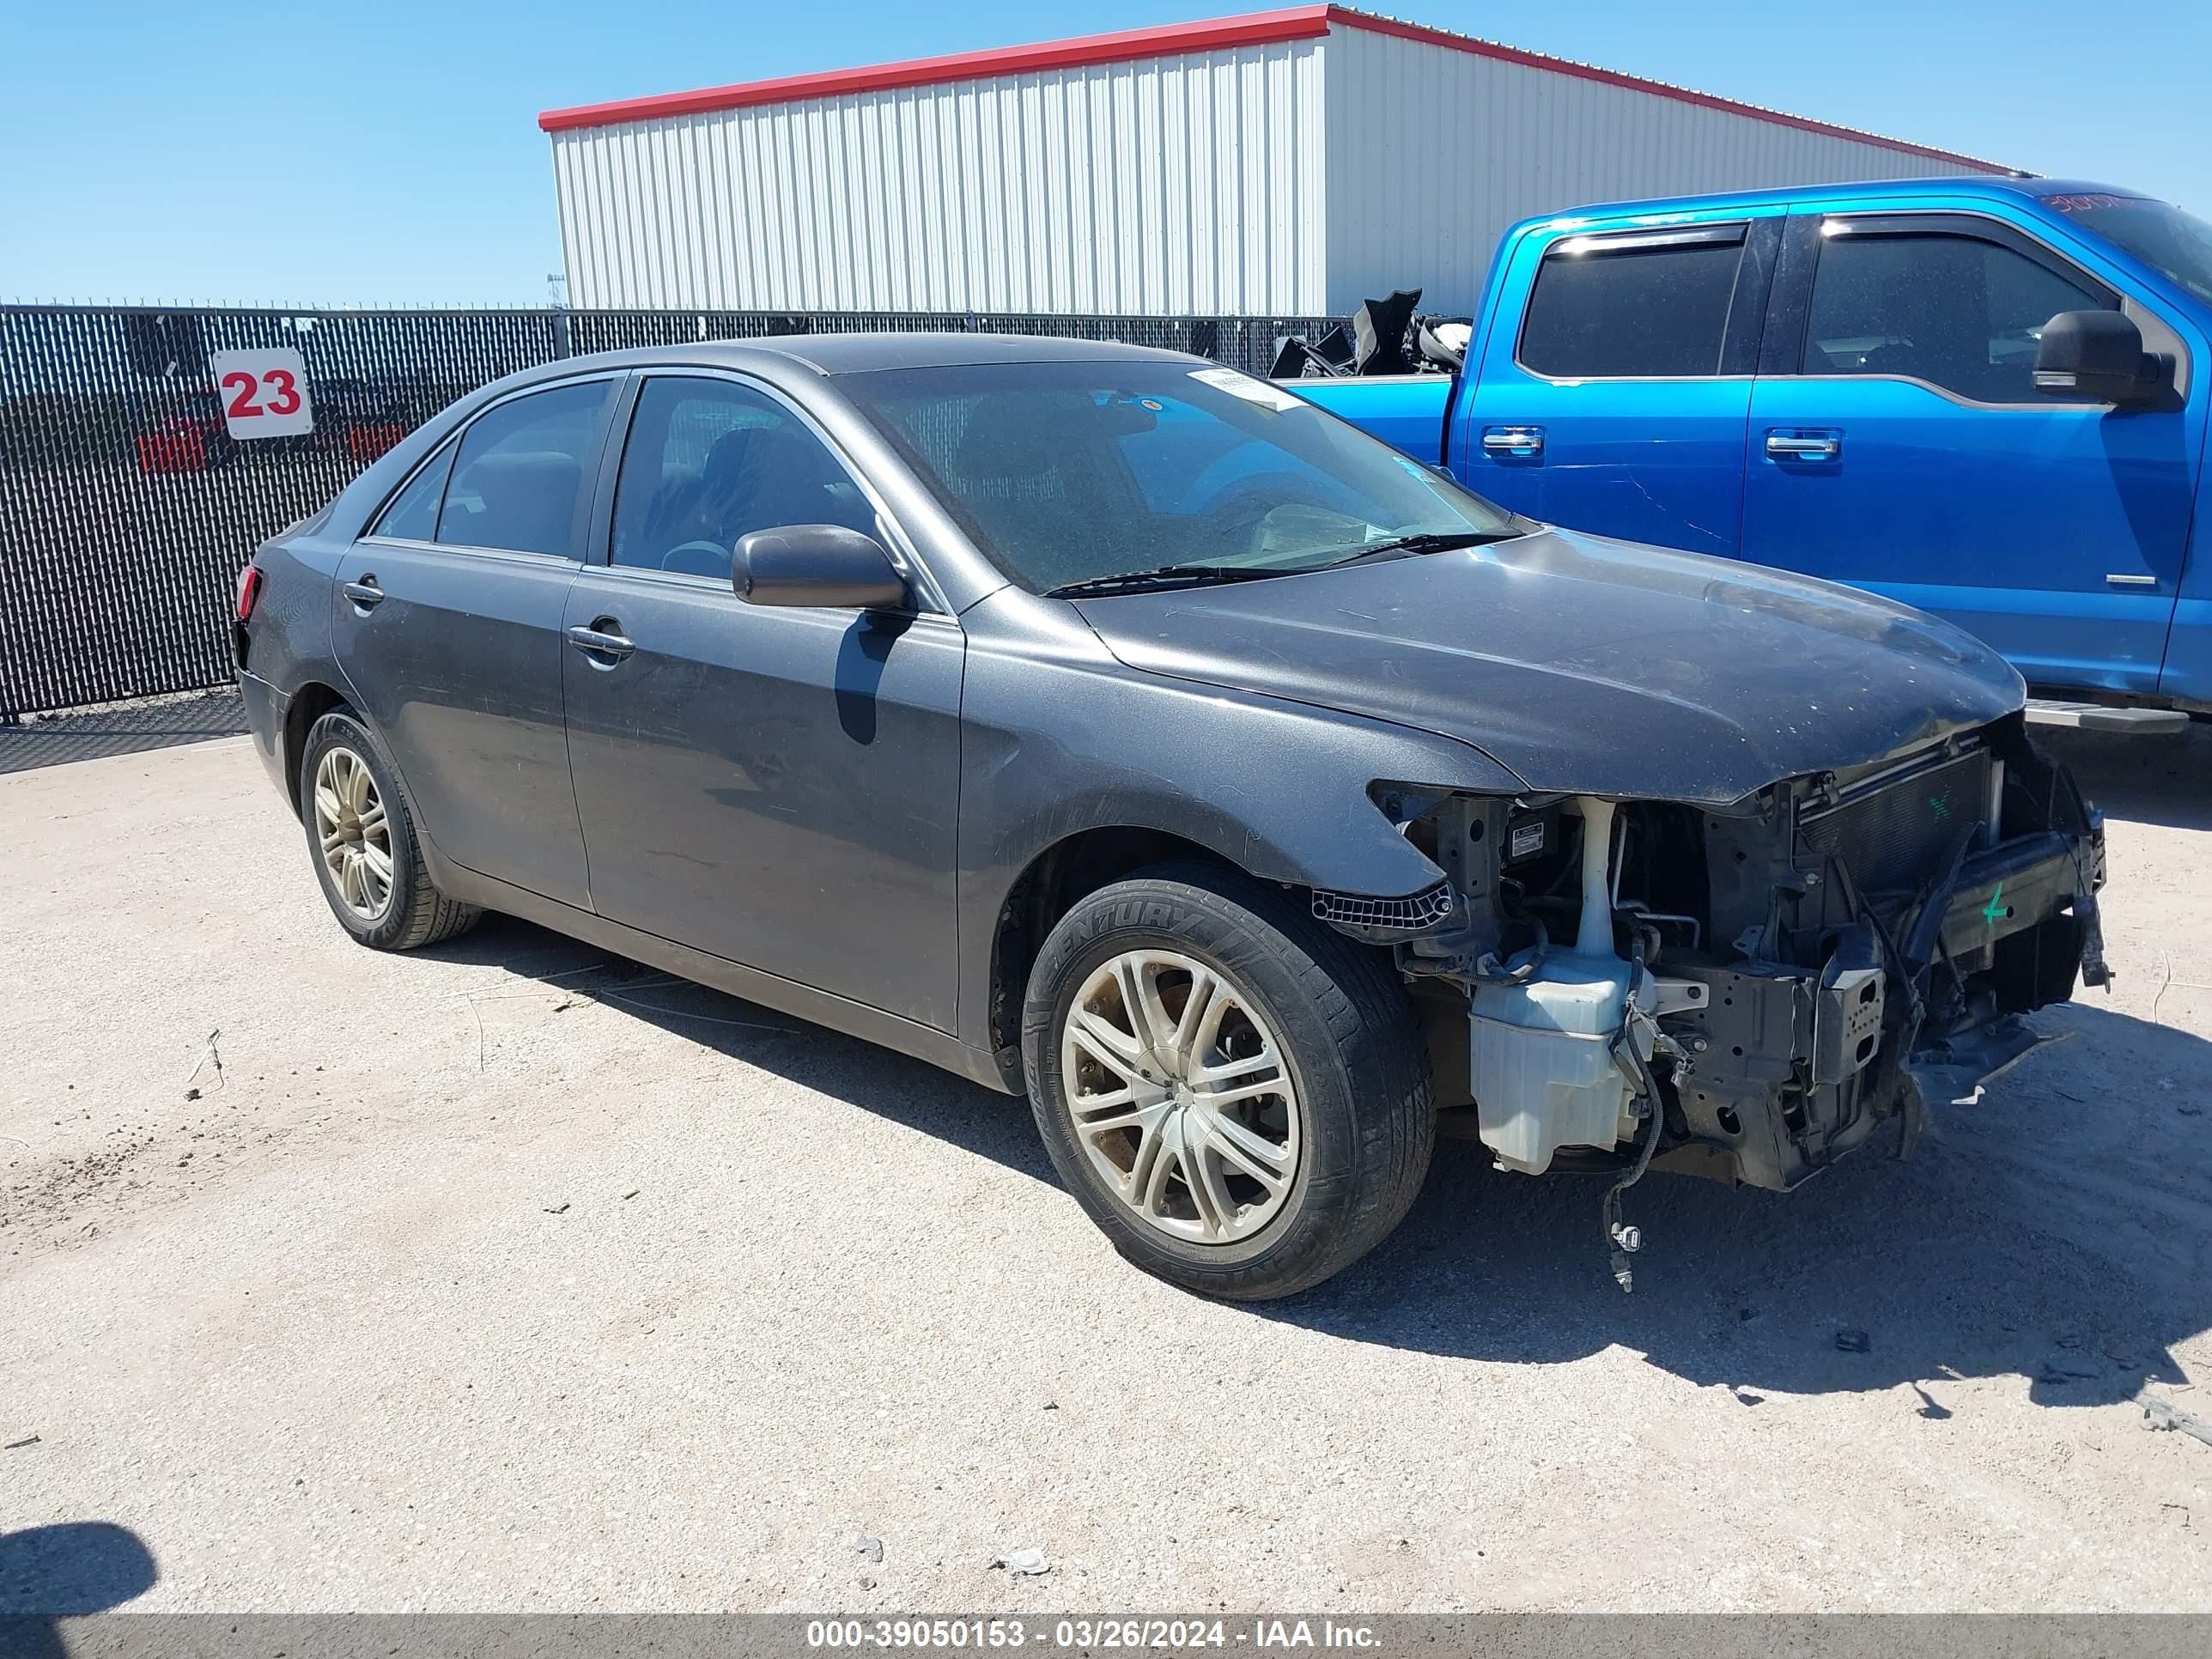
126, 508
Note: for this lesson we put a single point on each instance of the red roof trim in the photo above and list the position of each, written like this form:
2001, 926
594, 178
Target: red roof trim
1253, 29
1256, 28
1538, 60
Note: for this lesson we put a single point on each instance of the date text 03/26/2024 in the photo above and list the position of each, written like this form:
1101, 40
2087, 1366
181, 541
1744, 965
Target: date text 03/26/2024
1124, 1634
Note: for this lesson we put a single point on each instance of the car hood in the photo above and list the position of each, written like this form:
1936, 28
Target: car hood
1586, 664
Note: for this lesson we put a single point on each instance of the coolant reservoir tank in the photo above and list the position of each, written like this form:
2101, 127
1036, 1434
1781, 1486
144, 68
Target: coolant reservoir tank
1542, 1059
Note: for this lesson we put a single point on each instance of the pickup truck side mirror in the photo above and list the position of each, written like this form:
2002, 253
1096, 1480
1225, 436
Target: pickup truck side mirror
2098, 356
819, 564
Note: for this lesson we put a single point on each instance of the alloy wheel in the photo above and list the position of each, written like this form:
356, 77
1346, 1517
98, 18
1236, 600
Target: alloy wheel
353, 832
1179, 1095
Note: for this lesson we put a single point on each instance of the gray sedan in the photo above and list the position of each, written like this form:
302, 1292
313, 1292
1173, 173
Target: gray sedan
1107, 725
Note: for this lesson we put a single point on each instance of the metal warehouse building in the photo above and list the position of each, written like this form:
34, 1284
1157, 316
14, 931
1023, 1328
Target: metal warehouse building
1287, 163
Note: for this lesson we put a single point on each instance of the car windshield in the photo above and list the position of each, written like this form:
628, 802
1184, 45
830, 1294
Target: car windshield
2176, 245
1067, 473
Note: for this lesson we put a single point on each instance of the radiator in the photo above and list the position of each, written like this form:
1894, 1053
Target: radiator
1894, 837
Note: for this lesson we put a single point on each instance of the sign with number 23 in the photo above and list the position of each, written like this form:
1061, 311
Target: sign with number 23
264, 392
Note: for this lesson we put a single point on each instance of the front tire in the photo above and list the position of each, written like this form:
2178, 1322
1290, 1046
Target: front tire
360, 836
1238, 1096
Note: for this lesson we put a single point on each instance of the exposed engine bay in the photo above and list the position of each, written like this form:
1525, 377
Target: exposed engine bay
1745, 993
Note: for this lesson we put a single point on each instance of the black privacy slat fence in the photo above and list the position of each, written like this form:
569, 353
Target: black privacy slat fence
126, 508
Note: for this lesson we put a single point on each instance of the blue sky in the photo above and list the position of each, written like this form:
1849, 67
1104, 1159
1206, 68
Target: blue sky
388, 153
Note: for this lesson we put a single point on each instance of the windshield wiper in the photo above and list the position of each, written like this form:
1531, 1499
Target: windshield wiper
1427, 542
1166, 576
1202, 575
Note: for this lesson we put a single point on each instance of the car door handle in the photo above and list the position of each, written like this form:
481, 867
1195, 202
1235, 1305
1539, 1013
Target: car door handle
1513, 442
1804, 445
602, 640
365, 592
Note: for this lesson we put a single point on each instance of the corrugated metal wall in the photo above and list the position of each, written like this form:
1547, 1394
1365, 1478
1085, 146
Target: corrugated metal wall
1283, 179
1170, 185
1433, 152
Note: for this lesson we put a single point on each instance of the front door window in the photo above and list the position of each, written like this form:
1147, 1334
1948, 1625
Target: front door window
708, 463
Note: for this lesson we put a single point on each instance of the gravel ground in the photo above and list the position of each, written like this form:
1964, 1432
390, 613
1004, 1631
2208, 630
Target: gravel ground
512, 1276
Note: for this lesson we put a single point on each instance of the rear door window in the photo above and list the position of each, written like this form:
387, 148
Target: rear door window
519, 476
1632, 307
1957, 312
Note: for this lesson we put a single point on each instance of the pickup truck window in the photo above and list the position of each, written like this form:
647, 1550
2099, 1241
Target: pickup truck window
2176, 245
1955, 312
1631, 307
1067, 472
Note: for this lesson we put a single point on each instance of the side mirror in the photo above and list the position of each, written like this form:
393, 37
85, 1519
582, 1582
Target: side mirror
2098, 356
818, 564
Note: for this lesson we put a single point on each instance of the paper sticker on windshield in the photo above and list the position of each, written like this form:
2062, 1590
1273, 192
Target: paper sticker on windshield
1251, 390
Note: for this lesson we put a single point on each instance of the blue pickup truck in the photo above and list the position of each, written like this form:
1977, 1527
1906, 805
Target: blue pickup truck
1986, 397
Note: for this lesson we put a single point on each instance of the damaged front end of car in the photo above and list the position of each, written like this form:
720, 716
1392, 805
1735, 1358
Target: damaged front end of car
1746, 992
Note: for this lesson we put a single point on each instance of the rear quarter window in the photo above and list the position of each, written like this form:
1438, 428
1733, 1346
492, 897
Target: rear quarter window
412, 515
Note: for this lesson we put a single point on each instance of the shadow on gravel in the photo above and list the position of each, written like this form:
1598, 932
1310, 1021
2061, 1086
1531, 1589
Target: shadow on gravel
2061, 1232
908, 1091
124, 729
2165, 781
65, 1571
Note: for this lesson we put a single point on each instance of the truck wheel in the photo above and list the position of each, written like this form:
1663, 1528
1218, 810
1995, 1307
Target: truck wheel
361, 837
1238, 1096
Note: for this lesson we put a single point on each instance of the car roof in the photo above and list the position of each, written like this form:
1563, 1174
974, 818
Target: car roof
856, 353
1968, 183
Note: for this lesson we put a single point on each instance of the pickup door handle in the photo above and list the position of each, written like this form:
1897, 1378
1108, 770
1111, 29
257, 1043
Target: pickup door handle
1513, 442
603, 639
365, 592
1805, 446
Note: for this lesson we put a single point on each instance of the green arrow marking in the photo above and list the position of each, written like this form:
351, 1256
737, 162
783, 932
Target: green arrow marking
1994, 911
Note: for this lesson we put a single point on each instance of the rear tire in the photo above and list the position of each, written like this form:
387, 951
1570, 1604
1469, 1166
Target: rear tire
1162, 1121
361, 840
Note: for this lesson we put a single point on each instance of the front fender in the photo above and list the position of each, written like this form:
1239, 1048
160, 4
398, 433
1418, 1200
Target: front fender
1059, 738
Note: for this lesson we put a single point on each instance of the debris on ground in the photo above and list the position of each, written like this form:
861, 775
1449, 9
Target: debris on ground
210, 1056
1029, 1561
559, 1210
1852, 1341
2162, 1415
30, 1440
2071, 1366
869, 1549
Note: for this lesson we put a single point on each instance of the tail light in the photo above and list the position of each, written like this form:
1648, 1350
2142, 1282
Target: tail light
249, 590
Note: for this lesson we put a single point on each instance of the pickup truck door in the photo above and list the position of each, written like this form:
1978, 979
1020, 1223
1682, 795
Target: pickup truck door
1897, 443
1615, 379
